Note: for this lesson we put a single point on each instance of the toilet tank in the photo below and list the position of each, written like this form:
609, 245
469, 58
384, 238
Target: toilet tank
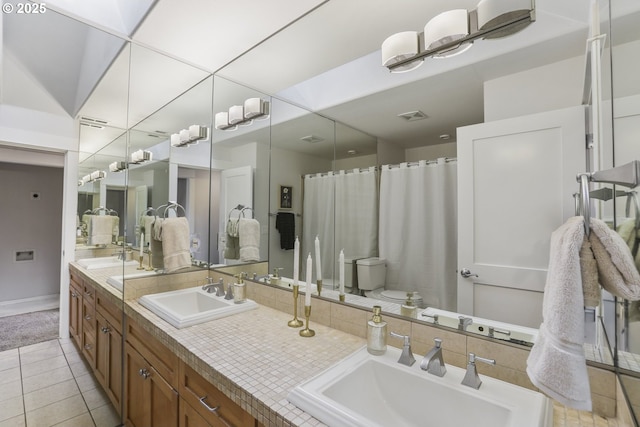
371, 273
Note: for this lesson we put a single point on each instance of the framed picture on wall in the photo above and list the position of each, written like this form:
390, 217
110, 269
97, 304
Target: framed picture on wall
286, 200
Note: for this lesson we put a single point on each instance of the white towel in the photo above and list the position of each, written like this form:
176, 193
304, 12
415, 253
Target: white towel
155, 244
249, 239
175, 244
617, 269
556, 363
146, 223
116, 227
101, 227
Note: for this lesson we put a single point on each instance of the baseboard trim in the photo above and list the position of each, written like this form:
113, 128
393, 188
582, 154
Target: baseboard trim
29, 305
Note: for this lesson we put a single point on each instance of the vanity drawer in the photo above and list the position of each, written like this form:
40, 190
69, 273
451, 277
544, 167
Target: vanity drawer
76, 280
213, 405
111, 312
89, 293
88, 316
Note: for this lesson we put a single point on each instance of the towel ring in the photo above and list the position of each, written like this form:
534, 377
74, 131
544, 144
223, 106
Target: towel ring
171, 205
633, 195
244, 209
584, 206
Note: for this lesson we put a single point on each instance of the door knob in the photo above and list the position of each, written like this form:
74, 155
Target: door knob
465, 272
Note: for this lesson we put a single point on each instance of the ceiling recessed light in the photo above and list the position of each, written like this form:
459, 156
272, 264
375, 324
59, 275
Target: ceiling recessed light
411, 116
312, 139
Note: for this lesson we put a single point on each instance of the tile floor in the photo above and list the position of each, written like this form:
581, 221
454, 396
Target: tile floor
49, 384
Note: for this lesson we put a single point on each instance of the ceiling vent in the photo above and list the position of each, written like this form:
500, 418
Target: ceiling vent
91, 125
312, 139
92, 120
412, 116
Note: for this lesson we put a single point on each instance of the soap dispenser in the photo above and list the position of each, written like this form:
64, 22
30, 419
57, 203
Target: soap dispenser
239, 290
377, 333
408, 308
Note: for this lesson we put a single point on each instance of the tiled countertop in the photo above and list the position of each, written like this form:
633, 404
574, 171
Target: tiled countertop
255, 356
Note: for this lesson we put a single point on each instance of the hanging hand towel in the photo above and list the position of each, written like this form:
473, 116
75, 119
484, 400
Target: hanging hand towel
616, 267
147, 225
231, 243
589, 273
556, 363
101, 230
286, 225
155, 245
175, 244
249, 239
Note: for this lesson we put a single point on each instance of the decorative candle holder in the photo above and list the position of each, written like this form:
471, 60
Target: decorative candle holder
295, 323
341, 296
319, 286
306, 332
140, 267
150, 267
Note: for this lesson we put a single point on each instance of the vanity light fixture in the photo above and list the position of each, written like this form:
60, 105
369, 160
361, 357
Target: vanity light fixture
189, 136
117, 166
141, 156
94, 176
452, 32
242, 115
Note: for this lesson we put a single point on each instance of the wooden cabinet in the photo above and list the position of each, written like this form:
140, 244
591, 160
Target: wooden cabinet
108, 369
151, 373
213, 406
75, 309
189, 417
89, 330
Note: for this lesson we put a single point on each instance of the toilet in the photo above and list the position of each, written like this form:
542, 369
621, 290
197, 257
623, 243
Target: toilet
371, 277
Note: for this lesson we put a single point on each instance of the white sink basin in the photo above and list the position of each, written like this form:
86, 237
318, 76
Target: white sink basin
191, 306
375, 391
118, 281
517, 334
103, 262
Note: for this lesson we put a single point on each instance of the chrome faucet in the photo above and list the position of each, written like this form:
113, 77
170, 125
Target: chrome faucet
464, 322
406, 358
471, 378
210, 287
433, 362
493, 331
431, 316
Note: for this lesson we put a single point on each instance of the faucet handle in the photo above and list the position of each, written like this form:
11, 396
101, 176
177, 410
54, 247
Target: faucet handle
463, 322
406, 358
431, 316
493, 331
438, 342
473, 358
471, 377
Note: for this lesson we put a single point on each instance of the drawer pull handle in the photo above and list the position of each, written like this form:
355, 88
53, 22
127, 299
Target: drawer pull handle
105, 330
87, 317
209, 408
144, 373
87, 346
74, 295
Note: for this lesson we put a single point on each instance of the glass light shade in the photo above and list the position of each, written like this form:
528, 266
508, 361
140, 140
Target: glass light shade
197, 132
445, 28
222, 121
175, 140
236, 114
399, 47
492, 13
255, 108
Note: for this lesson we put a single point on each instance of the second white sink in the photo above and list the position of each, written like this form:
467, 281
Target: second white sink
103, 262
187, 307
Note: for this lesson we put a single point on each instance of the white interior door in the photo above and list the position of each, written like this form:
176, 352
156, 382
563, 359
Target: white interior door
236, 188
516, 180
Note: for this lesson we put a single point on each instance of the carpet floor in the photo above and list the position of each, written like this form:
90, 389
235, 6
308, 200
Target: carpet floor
30, 328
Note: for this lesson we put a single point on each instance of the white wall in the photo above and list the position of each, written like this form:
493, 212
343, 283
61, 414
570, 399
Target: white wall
356, 162
431, 152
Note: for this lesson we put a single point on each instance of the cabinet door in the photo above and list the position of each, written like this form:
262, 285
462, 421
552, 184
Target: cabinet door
101, 368
89, 331
75, 321
149, 399
189, 417
113, 378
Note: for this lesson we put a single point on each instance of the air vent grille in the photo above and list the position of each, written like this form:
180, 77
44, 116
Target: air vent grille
312, 139
412, 116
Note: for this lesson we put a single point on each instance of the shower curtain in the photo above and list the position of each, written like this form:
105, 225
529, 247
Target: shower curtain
418, 230
355, 218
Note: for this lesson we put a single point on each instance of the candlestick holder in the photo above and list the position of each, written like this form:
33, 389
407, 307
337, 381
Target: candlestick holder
295, 322
150, 267
319, 286
140, 267
306, 332
341, 296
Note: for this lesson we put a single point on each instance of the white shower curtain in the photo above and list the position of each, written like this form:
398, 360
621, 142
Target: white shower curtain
357, 213
318, 220
355, 219
418, 230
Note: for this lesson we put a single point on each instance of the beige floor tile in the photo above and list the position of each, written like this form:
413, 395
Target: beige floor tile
11, 408
46, 379
57, 412
74, 357
83, 420
14, 422
69, 348
9, 375
105, 416
9, 362
95, 398
48, 395
38, 355
79, 368
45, 345
86, 382
9, 354
10, 390
31, 369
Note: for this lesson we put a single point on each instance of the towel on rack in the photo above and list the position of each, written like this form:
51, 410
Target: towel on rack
155, 244
116, 227
231, 243
556, 363
589, 274
175, 244
286, 225
249, 239
617, 269
101, 230
146, 223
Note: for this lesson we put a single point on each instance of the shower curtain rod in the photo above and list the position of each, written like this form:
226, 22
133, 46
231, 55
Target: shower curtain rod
377, 168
